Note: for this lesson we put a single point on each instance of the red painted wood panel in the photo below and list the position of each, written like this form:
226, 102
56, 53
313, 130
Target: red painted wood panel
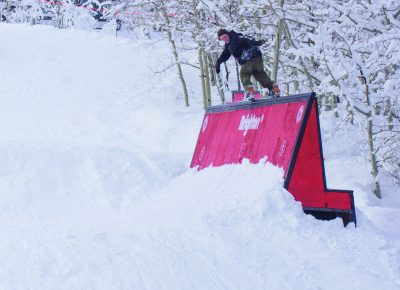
252, 133
307, 181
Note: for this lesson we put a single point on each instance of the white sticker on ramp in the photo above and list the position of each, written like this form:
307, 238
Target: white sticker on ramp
299, 114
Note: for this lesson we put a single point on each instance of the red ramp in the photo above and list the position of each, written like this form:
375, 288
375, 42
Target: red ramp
286, 131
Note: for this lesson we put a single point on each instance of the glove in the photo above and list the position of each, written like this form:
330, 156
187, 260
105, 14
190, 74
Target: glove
260, 42
217, 68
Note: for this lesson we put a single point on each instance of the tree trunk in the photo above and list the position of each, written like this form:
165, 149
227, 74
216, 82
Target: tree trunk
370, 136
327, 102
238, 76
207, 74
350, 113
374, 166
278, 38
179, 67
175, 53
334, 100
296, 85
389, 114
217, 78
290, 41
206, 101
202, 59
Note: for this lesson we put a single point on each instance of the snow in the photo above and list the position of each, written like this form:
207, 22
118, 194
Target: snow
96, 190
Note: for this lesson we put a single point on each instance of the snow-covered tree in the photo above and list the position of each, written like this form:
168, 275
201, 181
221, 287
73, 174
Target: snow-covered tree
359, 44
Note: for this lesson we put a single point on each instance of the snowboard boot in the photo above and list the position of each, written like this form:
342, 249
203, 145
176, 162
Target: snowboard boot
249, 94
275, 92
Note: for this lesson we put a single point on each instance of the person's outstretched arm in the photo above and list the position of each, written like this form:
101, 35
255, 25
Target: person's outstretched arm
225, 55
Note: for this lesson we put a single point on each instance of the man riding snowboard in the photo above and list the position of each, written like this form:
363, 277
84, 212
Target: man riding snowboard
248, 54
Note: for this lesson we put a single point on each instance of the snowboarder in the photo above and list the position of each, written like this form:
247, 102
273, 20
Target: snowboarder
248, 54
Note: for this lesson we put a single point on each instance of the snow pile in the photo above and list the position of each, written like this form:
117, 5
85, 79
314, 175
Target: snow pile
232, 227
95, 190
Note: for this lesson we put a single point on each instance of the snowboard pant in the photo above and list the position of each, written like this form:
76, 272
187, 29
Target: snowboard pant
255, 67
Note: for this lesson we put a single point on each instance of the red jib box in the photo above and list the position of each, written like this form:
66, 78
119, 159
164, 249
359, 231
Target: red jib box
286, 132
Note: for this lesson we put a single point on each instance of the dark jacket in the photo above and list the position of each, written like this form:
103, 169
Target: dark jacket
237, 45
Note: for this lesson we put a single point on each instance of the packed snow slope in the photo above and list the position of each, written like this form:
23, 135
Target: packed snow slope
96, 193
